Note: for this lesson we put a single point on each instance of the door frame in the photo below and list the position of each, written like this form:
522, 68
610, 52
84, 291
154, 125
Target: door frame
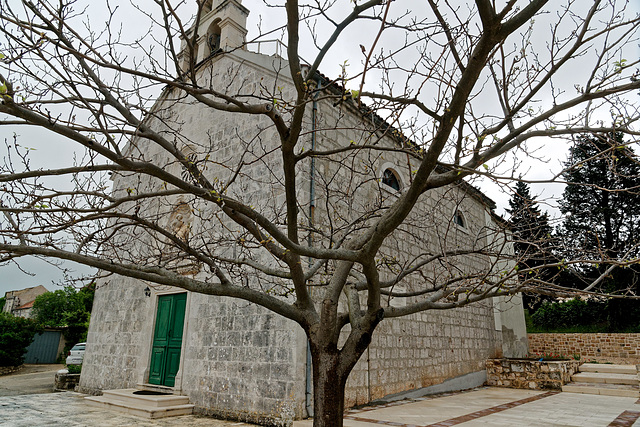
149, 332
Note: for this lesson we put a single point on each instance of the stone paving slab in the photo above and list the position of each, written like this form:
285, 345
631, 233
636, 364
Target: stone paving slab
486, 406
501, 407
70, 410
563, 409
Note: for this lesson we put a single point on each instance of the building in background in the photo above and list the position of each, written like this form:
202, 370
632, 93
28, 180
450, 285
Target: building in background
20, 302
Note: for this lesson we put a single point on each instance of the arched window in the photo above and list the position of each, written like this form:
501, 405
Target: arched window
458, 219
390, 178
213, 37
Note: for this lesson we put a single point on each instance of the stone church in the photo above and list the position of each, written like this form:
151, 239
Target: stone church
235, 359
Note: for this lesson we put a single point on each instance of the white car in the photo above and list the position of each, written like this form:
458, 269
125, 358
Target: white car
76, 354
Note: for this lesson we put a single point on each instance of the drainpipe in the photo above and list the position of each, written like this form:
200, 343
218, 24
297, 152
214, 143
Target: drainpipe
312, 205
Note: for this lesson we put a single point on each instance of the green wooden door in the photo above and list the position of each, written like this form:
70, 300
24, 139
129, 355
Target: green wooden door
167, 339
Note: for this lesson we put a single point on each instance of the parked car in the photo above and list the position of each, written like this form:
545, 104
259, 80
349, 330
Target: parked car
76, 354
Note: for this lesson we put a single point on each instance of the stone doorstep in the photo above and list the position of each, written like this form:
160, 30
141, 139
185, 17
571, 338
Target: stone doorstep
606, 378
140, 410
147, 406
610, 369
127, 395
619, 390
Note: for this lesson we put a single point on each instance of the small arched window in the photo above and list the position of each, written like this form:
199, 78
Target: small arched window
213, 37
390, 178
458, 219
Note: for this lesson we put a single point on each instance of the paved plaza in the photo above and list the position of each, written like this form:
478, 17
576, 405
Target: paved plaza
70, 409
486, 406
492, 406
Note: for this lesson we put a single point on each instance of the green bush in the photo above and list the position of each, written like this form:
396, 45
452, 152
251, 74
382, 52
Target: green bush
570, 313
624, 315
615, 315
16, 333
68, 308
74, 369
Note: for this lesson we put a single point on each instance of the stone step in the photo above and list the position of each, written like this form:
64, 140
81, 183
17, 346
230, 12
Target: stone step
133, 396
142, 405
620, 390
605, 378
610, 369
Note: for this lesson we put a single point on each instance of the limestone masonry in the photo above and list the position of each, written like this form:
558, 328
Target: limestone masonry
587, 346
235, 358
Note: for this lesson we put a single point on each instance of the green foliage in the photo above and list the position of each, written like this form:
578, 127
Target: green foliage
569, 313
74, 369
600, 207
533, 240
584, 316
66, 308
49, 308
624, 315
601, 219
528, 223
16, 333
2, 302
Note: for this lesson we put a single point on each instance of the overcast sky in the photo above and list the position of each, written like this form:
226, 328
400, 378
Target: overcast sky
52, 150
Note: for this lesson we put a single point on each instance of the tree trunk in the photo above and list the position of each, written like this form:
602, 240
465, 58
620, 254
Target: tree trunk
328, 390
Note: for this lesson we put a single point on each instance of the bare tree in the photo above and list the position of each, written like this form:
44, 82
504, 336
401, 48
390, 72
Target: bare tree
455, 88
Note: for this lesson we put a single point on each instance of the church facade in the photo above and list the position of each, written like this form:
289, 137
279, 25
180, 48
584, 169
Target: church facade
235, 359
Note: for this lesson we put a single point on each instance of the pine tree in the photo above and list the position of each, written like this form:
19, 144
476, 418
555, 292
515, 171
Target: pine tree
601, 203
531, 229
533, 240
601, 207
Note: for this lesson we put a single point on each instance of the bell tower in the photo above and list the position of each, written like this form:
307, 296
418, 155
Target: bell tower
222, 27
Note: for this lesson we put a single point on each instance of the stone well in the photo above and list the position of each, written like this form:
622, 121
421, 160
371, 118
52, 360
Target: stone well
64, 381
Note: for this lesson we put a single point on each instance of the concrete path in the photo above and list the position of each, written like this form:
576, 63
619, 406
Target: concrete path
481, 407
31, 379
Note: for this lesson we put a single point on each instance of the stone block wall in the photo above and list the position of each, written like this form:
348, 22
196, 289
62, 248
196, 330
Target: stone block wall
530, 374
427, 348
116, 353
423, 350
241, 361
588, 345
238, 360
